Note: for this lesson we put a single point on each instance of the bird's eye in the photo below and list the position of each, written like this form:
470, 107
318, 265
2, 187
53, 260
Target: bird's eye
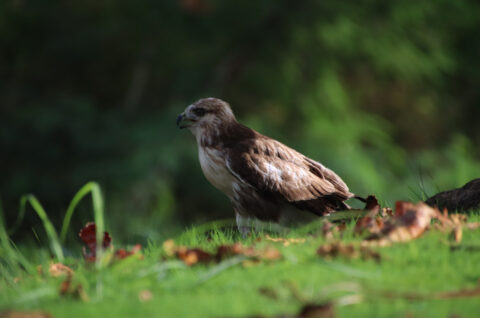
199, 111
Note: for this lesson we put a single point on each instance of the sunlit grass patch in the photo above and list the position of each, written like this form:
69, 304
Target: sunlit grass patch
407, 278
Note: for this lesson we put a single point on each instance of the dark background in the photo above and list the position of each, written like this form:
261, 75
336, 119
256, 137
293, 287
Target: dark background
386, 93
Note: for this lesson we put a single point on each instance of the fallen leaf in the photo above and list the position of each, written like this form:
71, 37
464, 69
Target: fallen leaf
251, 263
225, 251
169, 247
336, 249
409, 222
268, 292
192, 256
88, 236
145, 295
462, 293
67, 288
462, 247
122, 253
24, 314
310, 311
457, 234
269, 253
59, 269
40, 270
317, 311
369, 224
285, 241
386, 212
330, 230
472, 225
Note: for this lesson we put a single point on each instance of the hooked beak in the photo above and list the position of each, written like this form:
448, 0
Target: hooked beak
183, 121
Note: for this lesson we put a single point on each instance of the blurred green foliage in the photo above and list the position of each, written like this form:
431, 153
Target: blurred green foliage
383, 92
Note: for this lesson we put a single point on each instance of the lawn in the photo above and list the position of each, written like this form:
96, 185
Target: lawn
419, 278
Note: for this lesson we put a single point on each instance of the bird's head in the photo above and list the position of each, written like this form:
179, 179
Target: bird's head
206, 117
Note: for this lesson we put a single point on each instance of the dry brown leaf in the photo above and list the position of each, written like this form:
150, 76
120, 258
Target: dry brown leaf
24, 314
317, 311
266, 253
251, 263
462, 293
59, 269
310, 311
268, 292
40, 269
327, 230
67, 288
145, 295
123, 253
330, 230
225, 251
169, 247
336, 249
457, 234
285, 241
472, 225
269, 253
369, 224
192, 256
386, 212
409, 222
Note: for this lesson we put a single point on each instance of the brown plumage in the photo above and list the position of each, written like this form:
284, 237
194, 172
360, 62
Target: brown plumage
264, 179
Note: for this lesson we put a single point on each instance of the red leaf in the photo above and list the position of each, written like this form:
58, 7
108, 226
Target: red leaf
88, 236
122, 253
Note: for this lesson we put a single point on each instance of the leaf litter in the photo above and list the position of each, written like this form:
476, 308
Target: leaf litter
192, 256
381, 227
88, 235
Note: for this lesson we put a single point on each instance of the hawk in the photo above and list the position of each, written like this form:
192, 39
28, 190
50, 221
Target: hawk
264, 179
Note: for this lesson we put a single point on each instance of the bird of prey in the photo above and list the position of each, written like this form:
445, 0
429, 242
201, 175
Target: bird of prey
264, 179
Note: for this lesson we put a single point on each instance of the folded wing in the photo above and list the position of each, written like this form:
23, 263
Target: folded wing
281, 173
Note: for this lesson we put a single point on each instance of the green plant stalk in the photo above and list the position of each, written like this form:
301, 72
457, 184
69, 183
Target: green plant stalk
98, 212
49, 229
11, 254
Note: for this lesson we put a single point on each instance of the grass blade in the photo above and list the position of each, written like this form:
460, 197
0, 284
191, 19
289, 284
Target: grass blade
98, 213
49, 229
11, 253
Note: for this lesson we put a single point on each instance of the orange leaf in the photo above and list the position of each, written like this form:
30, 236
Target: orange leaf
58, 269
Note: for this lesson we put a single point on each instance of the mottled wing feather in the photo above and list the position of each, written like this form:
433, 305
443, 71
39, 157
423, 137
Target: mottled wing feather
280, 172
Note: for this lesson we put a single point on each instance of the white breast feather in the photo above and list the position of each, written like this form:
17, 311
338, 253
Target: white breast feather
214, 169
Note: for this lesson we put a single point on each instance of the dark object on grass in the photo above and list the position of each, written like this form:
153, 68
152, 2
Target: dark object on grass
462, 199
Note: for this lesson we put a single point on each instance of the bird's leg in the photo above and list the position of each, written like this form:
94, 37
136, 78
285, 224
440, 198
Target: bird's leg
244, 224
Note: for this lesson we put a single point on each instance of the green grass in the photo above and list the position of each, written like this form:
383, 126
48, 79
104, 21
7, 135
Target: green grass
229, 289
